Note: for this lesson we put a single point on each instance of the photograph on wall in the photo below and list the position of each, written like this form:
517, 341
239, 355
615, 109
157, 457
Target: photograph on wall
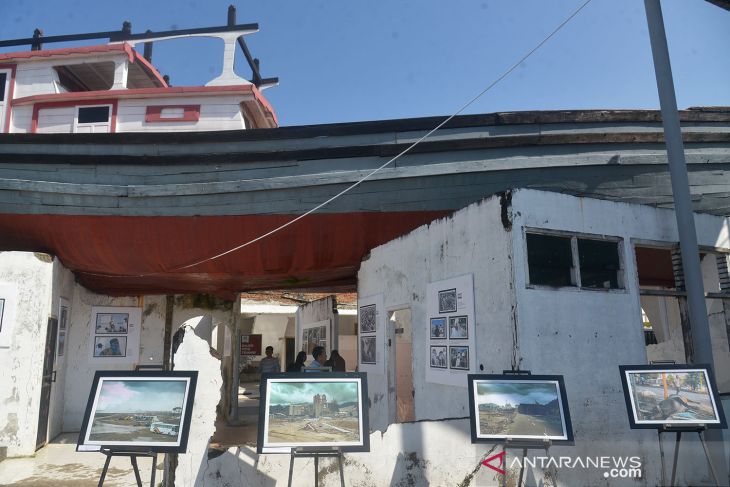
447, 301
459, 358
105, 346
438, 357
140, 410
671, 395
367, 319
2, 309
112, 323
305, 410
323, 333
458, 327
367, 350
521, 407
61, 344
63, 318
438, 328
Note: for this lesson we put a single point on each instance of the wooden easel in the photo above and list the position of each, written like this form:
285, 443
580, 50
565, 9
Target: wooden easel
679, 431
316, 454
133, 455
524, 446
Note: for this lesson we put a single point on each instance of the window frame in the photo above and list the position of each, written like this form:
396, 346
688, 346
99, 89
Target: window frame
577, 284
78, 124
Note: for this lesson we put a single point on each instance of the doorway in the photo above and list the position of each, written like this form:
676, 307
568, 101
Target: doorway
400, 377
49, 377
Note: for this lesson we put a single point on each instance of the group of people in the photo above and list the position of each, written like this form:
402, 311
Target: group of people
336, 363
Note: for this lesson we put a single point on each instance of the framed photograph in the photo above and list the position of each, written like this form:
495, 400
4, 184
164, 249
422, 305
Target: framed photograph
138, 411
105, 346
666, 396
519, 407
459, 358
438, 357
62, 317
112, 323
313, 411
2, 309
458, 327
447, 301
60, 349
438, 328
367, 350
367, 319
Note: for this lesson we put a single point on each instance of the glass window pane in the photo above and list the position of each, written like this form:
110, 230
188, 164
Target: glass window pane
93, 114
3, 81
599, 263
550, 260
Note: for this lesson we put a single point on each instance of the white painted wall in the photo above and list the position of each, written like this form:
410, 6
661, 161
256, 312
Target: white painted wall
20, 384
272, 329
219, 112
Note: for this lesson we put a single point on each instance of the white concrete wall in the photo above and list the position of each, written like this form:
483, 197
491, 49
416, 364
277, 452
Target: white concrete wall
474, 241
272, 329
216, 113
20, 383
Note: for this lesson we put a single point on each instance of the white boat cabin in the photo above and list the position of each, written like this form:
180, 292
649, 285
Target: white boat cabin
113, 88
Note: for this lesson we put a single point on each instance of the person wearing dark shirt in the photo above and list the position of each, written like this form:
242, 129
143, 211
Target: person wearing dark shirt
336, 362
297, 365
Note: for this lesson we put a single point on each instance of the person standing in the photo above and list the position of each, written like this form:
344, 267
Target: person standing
336, 362
269, 365
297, 365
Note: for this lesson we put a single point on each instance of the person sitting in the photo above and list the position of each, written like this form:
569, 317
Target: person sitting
336, 362
320, 357
297, 365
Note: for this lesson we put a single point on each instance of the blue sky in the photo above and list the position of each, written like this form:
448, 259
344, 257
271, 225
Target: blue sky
341, 61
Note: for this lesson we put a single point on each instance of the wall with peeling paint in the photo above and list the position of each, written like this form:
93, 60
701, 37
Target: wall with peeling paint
20, 383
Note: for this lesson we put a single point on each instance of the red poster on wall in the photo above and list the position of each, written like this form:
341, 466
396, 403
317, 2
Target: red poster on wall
250, 345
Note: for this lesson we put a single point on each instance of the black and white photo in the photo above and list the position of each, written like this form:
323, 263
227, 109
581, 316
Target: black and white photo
115, 323
367, 350
438, 357
367, 319
447, 301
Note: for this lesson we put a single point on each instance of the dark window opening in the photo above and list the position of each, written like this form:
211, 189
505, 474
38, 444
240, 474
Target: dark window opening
3, 80
550, 260
93, 114
599, 264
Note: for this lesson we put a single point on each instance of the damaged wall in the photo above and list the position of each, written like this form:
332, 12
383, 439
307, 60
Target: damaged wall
20, 384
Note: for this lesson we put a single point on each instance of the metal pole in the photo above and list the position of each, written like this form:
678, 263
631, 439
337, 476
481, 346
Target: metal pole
680, 186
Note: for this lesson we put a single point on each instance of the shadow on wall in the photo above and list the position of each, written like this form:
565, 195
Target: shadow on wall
238, 464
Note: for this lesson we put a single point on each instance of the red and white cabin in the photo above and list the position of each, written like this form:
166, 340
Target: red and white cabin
113, 88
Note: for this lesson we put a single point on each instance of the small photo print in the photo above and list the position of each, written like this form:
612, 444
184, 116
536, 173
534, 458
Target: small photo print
110, 346
61, 343
2, 308
447, 301
112, 323
438, 357
458, 327
322, 332
63, 321
438, 328
459, 357
367, 319
367, 350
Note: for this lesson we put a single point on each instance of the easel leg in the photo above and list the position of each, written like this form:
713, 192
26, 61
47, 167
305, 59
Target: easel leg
661, 457
316, 471
341, 459
522, 467
709, 460
154, 467
291, 468
504, 455
136, 470
106, 467
676, 455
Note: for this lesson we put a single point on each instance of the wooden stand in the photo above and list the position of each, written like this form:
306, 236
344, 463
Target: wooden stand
133, 457
524, 446
679, 432
316, 454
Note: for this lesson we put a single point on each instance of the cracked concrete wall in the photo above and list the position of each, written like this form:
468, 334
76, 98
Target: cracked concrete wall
20, 383
194, 354
472, 240
586, 334
718, 322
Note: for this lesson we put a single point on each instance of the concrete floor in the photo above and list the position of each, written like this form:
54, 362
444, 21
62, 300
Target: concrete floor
59, 465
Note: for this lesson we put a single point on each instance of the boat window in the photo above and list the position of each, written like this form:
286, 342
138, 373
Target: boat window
86, 76
93, 114
599, 263
3, 80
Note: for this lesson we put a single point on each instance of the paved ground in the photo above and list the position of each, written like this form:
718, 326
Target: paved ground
59, 465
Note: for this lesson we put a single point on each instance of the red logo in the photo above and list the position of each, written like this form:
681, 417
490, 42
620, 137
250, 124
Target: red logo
488, 462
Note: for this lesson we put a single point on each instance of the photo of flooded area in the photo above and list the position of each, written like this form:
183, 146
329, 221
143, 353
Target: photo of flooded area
311, 413
519, 409
674, 396
138, 411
